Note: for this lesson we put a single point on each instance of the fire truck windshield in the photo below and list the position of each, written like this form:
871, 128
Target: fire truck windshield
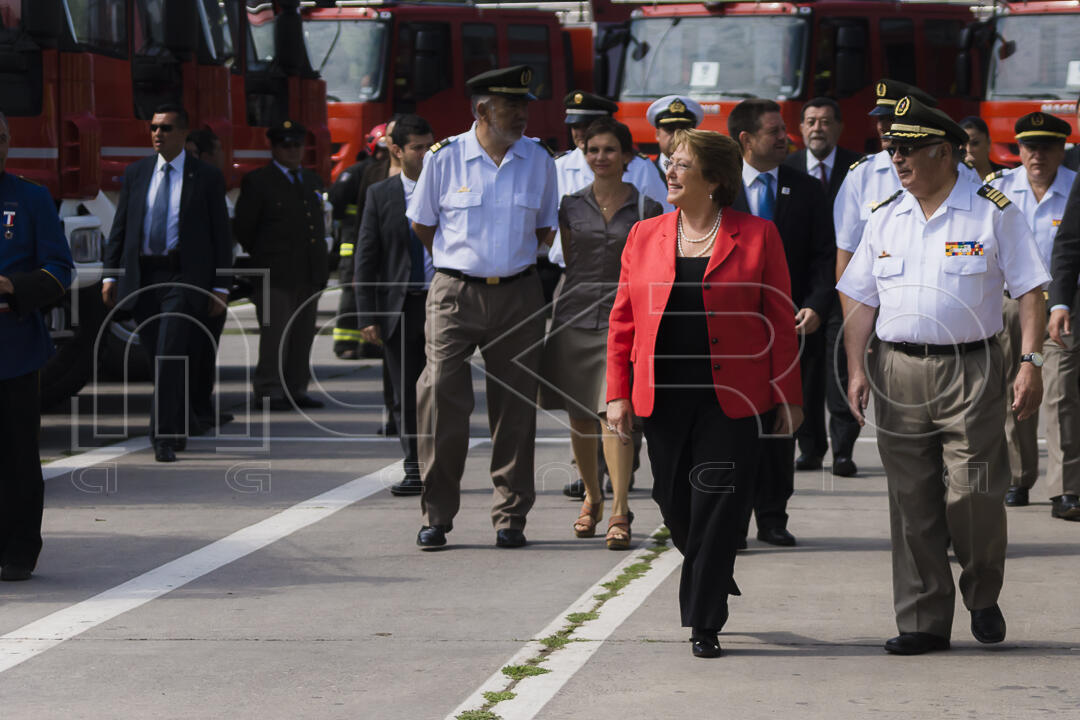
1035, 56
215, 26
713, 58
349, 54
98, 26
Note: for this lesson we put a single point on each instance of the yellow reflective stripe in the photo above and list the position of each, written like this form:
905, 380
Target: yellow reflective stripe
347, 334
346, 249
350, 209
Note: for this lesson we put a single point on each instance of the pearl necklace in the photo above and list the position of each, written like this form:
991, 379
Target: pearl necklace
680, 237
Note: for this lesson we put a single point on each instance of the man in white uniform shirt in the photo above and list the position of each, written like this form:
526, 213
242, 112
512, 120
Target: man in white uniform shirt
669, 114
484, 202
934, 260
1039, 188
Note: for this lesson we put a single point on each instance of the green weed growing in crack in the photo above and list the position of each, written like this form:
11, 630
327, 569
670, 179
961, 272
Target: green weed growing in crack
498, 697
530, 668
478, 715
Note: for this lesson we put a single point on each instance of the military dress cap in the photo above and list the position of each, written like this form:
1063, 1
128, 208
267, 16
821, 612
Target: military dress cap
889, 92
675, 109
511, 82
914, 121
1039, 127
584, 106
286, 131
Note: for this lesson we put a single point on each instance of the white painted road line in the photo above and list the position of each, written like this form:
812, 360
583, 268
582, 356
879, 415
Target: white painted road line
93, 457
533, 693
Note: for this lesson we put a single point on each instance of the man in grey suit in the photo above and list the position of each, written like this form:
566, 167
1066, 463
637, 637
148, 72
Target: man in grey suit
393, 272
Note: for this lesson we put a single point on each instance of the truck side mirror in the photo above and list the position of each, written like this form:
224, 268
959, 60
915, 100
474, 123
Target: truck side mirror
850, 60
963, 73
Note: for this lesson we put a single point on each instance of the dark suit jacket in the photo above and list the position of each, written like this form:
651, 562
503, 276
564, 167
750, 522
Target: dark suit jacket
1072, 158
804, 218
844, 160
205, 244
1065, 257
281, 226
382, 260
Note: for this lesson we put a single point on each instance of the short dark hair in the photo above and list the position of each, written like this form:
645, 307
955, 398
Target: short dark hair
609, 125
974, 122
746, 116
203, 139
822, 102
720, 160
407, 125
181, 113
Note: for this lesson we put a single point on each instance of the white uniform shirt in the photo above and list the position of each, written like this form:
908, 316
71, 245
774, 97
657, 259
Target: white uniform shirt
429, 266
753, 187
1042, 217
872, 181
812, 165
486, 215
574, 173
176, 185
939, 281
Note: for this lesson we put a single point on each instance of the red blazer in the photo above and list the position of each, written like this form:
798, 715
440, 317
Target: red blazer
751, 318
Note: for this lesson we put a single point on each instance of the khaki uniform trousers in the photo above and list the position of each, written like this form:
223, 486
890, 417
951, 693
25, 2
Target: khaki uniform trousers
506, 322
938, 414
1022, 436
1061, 394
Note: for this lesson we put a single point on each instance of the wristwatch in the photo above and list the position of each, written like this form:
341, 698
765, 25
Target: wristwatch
1034, 358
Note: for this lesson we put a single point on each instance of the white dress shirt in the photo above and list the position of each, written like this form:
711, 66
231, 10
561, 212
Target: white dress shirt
1043, 216
172, 224
486, 215
429, 266
812, 164
940, 280
753, 188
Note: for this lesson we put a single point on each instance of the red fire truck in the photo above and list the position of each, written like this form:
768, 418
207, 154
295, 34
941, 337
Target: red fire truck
80, 79
722, 52
380, 58
1022, 57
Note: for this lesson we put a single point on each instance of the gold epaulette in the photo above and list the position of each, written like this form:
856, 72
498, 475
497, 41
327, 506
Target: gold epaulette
882, 203
441, 144
995, 196
993, 175
858, 162
32, 182
542, 144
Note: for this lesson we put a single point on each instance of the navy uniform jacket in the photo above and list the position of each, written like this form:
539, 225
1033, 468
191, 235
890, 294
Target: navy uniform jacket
34, 255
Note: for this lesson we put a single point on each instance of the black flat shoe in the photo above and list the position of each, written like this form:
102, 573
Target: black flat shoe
430, 537
15, 573
704, 644
509, 538
1016, 496
408, 486
807, 462
574, 489
776, 536
988, 624
844, 467
307, 402
164, 453
916, 643
1066, 507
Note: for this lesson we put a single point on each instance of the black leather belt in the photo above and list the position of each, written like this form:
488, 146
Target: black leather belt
925, 350
170, 261
485, 280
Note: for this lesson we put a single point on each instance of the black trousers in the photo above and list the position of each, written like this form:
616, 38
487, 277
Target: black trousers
404, 360
774, 485
843, 427
204, 347
167, 315
811, 435
703, 466
287, 317
22, 490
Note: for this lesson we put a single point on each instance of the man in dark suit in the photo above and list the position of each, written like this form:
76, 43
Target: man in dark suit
393, 272
279, 222
821, 126
169, 242
798, 206
1072, 155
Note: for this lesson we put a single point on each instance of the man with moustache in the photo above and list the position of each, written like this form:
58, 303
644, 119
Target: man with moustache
931, 267
484, 202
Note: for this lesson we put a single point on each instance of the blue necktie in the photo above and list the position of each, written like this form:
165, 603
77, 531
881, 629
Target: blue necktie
766, 197
159, 218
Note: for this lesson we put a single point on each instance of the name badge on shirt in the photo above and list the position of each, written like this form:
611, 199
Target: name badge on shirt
963, 247
1055, 222
785, 190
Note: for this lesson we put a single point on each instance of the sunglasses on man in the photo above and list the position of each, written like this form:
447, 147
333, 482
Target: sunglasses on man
163, 127
907, 150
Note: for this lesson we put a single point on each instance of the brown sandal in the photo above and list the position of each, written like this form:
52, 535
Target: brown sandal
585, 525
618, 532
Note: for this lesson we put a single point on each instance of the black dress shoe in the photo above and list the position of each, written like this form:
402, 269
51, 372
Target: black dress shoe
1066, 507
844, 466
15, 573
574, 489
431, 536
307, 402
988, 624
776, 536
163, 452
509, 538
704, 644
807, 462
408, 486
916, 643
1016, 496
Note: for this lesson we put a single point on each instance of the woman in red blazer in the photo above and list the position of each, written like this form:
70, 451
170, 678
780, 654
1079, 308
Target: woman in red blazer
702, 344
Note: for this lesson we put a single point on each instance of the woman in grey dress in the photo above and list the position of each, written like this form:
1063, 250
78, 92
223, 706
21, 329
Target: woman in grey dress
593, 224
